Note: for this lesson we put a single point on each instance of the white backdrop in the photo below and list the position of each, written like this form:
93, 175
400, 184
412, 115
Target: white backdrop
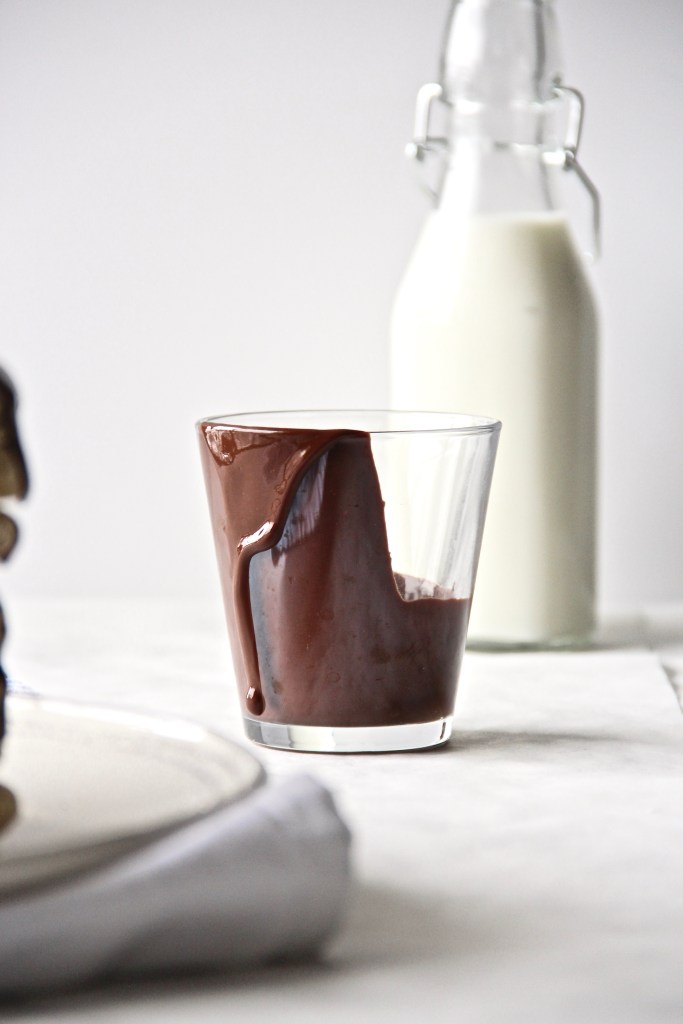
204, 206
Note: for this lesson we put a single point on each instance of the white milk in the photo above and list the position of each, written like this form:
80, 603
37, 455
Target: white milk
498, 319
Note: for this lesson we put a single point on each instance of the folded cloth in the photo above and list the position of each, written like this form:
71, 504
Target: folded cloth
261, 880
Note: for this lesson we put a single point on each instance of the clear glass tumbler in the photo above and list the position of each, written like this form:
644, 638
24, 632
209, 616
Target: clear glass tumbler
347, 545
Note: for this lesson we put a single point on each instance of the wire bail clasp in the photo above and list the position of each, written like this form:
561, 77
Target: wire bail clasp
576, 107
424, 144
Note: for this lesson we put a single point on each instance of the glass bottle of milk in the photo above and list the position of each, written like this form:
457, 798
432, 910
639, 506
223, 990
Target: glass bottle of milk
495, 314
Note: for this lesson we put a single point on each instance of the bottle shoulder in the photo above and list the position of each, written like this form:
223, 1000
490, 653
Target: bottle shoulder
526, 250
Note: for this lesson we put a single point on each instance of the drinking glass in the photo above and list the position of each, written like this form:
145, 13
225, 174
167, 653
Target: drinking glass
347, 545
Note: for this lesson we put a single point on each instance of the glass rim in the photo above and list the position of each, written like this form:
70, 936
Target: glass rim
416, 421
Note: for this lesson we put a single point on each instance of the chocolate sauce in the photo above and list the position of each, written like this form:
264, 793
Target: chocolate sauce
323, 632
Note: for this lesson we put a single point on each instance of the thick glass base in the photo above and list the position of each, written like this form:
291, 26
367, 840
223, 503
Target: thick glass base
375, 739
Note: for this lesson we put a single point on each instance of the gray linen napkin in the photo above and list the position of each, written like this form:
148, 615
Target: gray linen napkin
258, 881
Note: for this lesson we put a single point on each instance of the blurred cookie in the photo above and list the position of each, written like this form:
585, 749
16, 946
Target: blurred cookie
13, 474
8, 807
13, 484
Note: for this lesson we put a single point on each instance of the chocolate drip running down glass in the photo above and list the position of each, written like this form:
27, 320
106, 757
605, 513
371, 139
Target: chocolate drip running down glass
347, 546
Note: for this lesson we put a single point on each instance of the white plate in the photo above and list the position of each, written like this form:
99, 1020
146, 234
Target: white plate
92, 782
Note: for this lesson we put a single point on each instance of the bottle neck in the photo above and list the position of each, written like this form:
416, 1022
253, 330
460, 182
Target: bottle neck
499, 128
500, 64
507, 124
488, 177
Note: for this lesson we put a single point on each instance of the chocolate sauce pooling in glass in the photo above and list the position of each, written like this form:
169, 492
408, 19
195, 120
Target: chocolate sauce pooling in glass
323, 632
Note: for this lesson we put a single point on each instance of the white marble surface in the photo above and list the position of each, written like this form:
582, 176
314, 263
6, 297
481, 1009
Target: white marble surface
531, 871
